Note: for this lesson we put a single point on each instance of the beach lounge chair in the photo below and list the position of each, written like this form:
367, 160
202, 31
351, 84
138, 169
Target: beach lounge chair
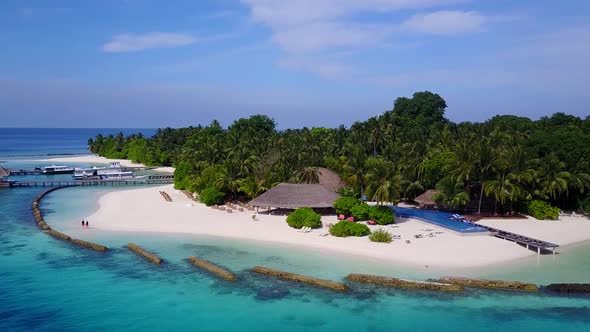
350, 219
341, 217
371, 222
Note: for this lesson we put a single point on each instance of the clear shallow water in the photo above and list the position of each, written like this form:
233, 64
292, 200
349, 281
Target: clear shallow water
48, 285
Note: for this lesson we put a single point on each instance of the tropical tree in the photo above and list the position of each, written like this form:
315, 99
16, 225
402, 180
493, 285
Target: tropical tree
383, 184
309, 175
451, 193
553, 178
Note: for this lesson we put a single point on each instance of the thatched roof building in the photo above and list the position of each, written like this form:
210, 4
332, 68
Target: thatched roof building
426, 200
330, 179
293, 196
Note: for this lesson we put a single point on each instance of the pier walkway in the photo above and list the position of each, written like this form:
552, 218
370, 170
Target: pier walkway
152, 179
528, 242
21, 172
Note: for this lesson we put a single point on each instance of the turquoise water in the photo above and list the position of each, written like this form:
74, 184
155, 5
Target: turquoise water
48, 285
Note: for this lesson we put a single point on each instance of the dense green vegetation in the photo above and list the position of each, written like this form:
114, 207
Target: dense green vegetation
304, 217
344, 205
211, 196
348, 228
381, 235
541, 210
349, 206
500, 165
382, 215
361, 211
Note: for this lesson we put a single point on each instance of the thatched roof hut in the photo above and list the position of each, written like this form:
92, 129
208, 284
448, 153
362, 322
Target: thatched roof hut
330, 179
4, 172
293, 196
426, 200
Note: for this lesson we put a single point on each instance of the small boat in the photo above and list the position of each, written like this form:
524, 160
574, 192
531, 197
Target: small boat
53, 169
112, 172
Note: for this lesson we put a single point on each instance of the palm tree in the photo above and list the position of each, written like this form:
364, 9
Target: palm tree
580, 178
230, 177
251, 187
451, 193
501, 188
487, 158
383, 185
412, 189
463, 163
356, 166
309, 175
522, 172
554, 180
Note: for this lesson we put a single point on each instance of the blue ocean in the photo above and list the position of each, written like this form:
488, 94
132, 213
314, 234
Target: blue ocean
49, 285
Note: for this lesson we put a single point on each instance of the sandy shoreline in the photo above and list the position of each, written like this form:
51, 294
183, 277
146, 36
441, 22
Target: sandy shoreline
144, 210
94, 159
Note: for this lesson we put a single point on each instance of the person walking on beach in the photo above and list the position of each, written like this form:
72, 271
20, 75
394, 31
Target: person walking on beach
86, 223
83, 223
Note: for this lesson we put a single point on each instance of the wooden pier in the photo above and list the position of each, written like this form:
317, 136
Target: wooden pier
152, 179
529, 242
22, 172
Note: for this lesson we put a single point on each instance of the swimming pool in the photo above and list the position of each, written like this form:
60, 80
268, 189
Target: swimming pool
437, 218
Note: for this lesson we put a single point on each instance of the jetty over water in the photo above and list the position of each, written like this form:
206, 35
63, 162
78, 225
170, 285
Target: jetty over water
21, 172
151, 179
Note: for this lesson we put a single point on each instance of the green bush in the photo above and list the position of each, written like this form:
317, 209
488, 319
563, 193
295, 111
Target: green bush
542, 210
381, 235
211, 196
344, 205
382, 215
360, 211
347, 228
304, 217
346, 192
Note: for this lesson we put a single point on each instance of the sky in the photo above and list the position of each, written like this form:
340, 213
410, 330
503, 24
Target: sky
157, 63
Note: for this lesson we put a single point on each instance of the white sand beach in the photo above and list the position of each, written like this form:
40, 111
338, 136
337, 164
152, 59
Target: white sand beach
145, 210
94, 159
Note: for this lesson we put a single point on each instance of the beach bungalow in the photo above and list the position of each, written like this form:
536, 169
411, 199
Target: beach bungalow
426, 200
4, 173
290, 196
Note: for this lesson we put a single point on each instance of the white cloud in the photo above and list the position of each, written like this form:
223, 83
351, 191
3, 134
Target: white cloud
138, 42
315, 29
294, 12
444, 22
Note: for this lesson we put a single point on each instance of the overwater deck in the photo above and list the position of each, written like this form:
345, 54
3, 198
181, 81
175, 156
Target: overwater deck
528, 242
152, 179
23, 172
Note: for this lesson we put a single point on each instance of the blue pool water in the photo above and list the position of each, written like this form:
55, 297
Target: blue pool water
438, 218
48, 285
